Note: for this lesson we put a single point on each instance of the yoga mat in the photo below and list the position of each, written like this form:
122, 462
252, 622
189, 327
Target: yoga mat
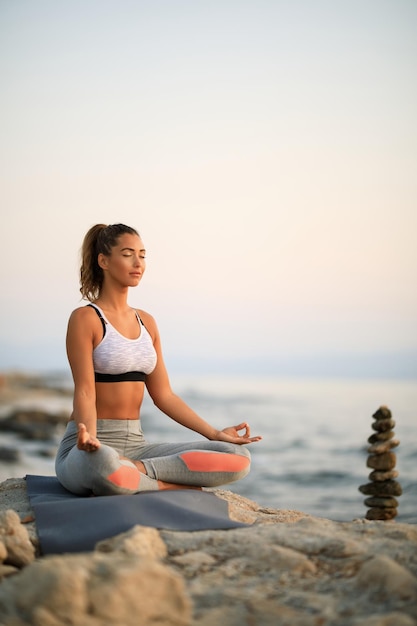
69, 523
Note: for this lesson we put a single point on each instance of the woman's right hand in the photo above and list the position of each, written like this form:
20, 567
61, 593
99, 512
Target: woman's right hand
85, 441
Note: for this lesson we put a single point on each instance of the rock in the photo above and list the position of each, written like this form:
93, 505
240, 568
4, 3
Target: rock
33, 424
382, 502
383, 446
7, 570
378, 476
286, 568
9, 455
140, 541
383, 577
383, 426
13, 495
382, 413
381, 436
381, 513
391, 619
102, 590
384, 461
3, 552
382, 506
14, 536
243, 510
386, 488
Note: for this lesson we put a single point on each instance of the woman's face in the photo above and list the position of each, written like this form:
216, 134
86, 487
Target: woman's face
126, 263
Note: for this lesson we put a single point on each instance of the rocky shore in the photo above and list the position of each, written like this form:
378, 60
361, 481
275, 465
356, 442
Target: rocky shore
287, 569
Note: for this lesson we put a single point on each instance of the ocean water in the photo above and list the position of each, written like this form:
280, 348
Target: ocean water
313, 454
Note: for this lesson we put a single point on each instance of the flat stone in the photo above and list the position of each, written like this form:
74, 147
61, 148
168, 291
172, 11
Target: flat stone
384, 461
383, 446
381, 514
381, 436
384, 503
383, 425
382, 476
382, 413
387, 488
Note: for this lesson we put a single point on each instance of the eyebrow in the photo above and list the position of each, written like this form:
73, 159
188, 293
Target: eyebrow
133, 250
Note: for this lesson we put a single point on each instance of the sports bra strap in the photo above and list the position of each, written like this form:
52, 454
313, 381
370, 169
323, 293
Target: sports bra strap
103, 321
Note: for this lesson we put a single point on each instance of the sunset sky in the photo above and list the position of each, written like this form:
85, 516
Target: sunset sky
265, 150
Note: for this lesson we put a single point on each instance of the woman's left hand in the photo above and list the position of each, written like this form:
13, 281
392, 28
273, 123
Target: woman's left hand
231, 434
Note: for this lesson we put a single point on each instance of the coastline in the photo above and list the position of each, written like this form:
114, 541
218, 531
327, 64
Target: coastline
286, 568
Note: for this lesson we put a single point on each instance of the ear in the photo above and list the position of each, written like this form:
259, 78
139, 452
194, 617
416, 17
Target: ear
102, 261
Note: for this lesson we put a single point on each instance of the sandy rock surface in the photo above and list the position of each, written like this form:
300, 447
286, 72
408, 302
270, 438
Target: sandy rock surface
287, 569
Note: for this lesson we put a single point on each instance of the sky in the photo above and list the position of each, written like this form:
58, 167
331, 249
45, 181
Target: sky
265, 150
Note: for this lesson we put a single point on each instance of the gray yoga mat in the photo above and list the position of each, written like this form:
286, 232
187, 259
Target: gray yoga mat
69, 523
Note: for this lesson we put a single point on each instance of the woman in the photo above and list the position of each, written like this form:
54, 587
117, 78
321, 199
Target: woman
114, 352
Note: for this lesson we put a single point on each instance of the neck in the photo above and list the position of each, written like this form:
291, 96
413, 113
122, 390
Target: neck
113, 300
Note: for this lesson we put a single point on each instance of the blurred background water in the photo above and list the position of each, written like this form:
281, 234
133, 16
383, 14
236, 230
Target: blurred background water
313, 453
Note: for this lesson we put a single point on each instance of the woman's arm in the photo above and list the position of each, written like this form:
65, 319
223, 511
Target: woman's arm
159, 388
80, 343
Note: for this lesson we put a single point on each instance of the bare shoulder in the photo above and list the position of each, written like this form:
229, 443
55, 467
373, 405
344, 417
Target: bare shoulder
84, 317
84, 325
82, 313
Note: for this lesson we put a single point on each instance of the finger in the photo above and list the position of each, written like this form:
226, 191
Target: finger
250, 439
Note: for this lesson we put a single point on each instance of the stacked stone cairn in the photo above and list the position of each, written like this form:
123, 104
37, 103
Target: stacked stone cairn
383, 488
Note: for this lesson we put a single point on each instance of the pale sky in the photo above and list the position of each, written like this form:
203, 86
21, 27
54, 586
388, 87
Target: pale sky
265, 150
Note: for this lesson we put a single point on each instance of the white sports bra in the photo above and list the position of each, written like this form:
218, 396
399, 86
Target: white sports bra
117, 358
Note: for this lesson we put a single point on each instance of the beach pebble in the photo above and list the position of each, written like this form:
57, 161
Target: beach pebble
383, 446
383, 425
381, 513
375, 437
381, 502
382, 413
385, 461
382, 476
386, 488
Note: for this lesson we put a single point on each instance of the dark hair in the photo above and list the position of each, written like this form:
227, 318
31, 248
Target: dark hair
100, 239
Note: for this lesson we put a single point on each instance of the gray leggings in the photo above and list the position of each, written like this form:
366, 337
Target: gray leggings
103, 472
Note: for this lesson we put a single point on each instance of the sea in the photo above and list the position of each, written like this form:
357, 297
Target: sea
313, 452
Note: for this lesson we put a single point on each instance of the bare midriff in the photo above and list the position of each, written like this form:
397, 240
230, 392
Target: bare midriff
119, 400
